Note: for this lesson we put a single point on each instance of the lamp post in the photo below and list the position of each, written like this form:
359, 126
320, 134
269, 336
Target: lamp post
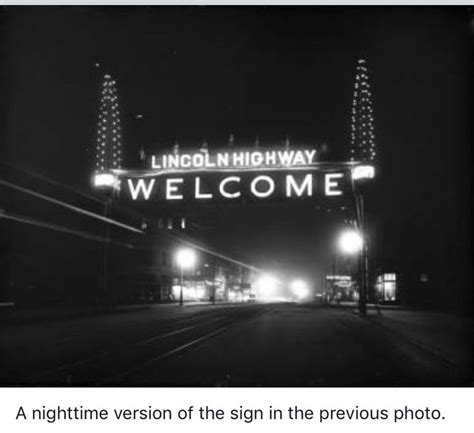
109, 184
359, 175
214, 276
333, 285
351, 242
185, 258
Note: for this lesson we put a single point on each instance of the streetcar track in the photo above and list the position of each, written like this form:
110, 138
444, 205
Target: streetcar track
116, 350
175, 332
174, 351
212, 317
163, 356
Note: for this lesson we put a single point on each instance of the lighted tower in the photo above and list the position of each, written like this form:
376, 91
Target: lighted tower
362, 117
108, 152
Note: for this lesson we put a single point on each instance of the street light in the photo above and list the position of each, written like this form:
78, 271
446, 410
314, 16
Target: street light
351, 242
266, 285
185, 258
106, 180
109, 184
363, 172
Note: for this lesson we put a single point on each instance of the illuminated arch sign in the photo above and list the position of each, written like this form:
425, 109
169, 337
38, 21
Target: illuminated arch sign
239, 159
226, 176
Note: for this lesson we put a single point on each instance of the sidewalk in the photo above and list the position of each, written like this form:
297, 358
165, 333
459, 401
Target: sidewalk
444, 335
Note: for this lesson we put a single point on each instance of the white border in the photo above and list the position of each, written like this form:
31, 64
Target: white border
237, 3
454, 404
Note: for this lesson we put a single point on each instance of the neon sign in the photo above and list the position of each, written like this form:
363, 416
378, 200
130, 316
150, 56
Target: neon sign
232, 175
234, 159
234, 187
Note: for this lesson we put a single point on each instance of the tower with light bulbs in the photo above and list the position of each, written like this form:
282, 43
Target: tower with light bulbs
362, 134
108, 149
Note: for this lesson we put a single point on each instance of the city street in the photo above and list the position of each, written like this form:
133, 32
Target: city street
255, 344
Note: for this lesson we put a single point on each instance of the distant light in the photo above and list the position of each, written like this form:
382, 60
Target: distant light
350, 242
363, 172
339, 277
300, 289
106, 179
389, 277
186, 258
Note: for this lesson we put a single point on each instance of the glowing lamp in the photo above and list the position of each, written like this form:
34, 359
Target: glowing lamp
105, 180
363, 172
266, 285
186, 258
300, 289
351, 242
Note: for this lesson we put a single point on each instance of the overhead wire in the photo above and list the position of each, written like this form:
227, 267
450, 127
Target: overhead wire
70, 206
59, 228
102, 218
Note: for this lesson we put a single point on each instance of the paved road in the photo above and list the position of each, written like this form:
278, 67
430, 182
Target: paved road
227, 345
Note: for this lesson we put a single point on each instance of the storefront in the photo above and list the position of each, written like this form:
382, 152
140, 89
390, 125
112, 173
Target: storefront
386, 287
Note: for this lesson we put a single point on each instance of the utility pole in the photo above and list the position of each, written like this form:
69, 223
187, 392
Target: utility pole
105, 254
333, 276
214, 283
108, 157
181, 286
361, 222
111, 197
363, 150
361, 225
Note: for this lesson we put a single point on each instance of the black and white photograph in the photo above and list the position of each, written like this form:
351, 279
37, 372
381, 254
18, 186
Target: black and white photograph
235, 196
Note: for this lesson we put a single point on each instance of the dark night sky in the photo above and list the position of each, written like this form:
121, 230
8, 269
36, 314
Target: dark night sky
201, 72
